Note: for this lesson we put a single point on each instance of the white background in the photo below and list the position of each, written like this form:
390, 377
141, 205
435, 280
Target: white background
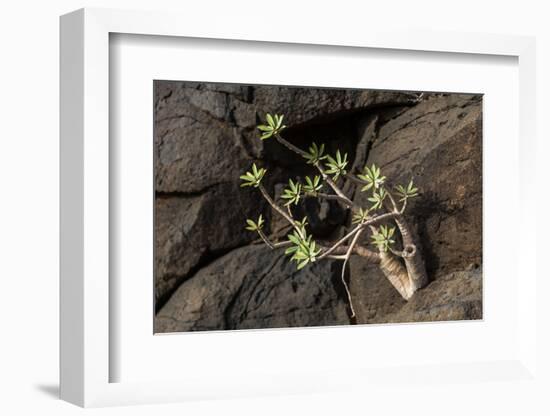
29, 184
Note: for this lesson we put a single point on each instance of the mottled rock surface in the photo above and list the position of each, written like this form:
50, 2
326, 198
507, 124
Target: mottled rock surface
306, 105
438, 144
210, 273
254, 287
453, 297
191, 229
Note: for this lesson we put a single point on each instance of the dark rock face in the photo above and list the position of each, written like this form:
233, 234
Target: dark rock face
211, 273
196, 145
254, 287
191, 229
373, 295
438, 144
453, 297
305, 105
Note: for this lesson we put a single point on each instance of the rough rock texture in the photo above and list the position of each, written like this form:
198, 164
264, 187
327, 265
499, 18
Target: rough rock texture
453, 297
254, 287
191, 229
438, 144
212, 274
373, 295
304, 105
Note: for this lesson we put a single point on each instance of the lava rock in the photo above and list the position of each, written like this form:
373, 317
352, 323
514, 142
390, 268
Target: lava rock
456, 296
438, 144
190, 230
255, 287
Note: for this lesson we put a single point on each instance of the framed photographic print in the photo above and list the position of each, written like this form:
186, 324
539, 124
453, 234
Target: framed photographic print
273, 213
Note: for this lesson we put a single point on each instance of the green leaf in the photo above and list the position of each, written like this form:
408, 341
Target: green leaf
337, 166
302, 264
292, 185
367, 186
315, 154
382, 237
254, 177
266, 136
301, 254
253, 226
292, 193
304, 249
372, 177
361, 216
291, 250
294, 239
312, 186
409, 191
274, 126
377, 198
302, 225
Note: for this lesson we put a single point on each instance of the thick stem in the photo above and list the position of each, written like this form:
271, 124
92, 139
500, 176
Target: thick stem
404, 229
415, 267
396, 273
412, 255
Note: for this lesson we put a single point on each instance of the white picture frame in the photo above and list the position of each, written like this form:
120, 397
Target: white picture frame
86, 355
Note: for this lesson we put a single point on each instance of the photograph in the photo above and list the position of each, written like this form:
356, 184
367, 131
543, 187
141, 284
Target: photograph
284, 206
